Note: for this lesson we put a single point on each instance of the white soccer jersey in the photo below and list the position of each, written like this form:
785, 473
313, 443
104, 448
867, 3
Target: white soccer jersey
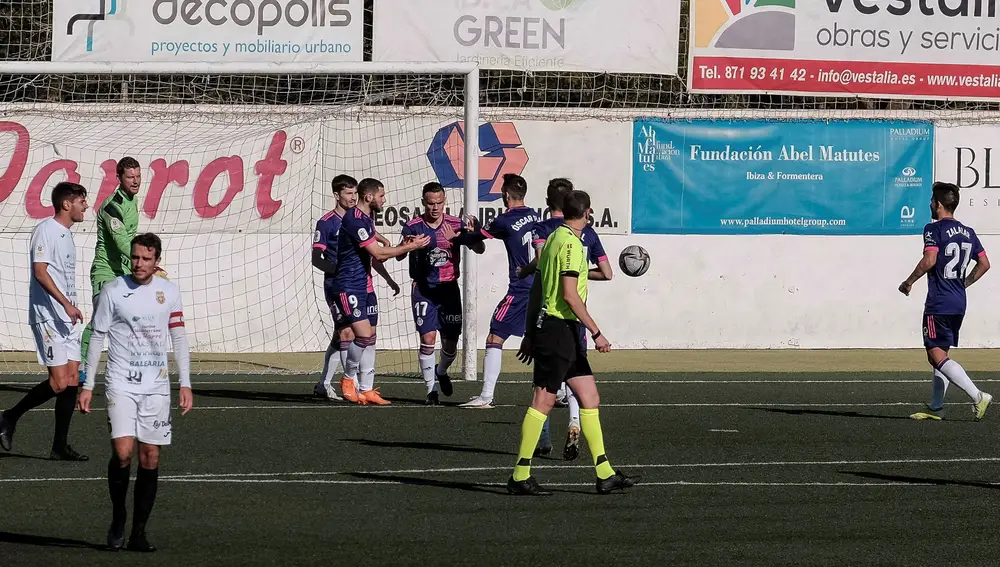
52, 244
138, 319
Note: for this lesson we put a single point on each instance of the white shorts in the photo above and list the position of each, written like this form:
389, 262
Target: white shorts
145, 417
56, 342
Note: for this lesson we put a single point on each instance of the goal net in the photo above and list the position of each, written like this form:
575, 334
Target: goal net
236, 166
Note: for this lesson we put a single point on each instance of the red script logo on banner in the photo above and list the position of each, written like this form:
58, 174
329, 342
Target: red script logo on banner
163, 174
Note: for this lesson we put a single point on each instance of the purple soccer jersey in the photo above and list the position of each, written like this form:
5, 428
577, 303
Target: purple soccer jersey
325, 237
594, 250
957, 245
440, 262
354, 263
514, 228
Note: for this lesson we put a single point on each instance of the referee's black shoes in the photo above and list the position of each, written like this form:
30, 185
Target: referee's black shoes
617, 481
526, 487
116, 537
6, 433
67, 453
138, 542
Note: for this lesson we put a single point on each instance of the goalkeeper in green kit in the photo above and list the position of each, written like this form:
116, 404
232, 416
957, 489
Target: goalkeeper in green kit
117, 223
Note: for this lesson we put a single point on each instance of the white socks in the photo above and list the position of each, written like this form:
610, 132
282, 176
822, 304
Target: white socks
491, 370
367, 378
574, 407
427, 366
955, 374
329, 366
939, 386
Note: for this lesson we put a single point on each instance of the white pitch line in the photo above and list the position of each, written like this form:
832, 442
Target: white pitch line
418, 382
724, 430
247, 477
349, 406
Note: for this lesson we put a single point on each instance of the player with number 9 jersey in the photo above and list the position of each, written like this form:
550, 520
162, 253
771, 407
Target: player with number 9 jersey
352, 286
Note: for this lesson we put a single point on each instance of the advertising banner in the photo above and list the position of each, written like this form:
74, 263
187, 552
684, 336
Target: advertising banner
927, 49
969, 156
801, 177
624, 36
207, 31
592, 153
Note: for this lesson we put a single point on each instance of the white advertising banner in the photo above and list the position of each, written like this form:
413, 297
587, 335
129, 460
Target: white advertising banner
945, 49
208, 30
236, 203
594, 154
969, 156
624, 36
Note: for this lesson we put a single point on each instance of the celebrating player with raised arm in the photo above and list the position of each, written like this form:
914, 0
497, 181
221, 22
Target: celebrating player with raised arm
557, 351
949, 246
514, 229
437, 298
53, 315
594, 251
117, 223
357, 250
138, 312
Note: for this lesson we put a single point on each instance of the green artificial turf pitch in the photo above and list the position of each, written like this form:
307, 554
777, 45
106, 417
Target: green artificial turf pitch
738, 469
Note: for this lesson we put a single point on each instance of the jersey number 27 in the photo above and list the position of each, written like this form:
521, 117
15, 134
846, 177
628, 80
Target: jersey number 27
958, 254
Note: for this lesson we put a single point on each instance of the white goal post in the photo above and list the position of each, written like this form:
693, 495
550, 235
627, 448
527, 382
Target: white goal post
16, 80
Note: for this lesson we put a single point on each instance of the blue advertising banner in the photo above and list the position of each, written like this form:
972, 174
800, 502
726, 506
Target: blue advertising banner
798, 177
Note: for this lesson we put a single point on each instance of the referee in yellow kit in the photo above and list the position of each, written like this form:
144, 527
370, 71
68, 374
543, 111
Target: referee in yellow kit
557, 345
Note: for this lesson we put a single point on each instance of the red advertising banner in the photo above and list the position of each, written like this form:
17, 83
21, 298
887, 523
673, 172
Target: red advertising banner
936, 49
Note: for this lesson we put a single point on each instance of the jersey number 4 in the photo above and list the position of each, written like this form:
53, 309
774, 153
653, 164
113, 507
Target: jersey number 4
958, 254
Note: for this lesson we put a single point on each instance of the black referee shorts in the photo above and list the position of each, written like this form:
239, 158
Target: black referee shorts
558, 354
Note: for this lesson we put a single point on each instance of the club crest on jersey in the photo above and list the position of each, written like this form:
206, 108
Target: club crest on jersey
161, 298
438, 257
116, 224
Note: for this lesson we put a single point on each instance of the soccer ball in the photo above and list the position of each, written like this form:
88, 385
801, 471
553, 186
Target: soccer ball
634, 261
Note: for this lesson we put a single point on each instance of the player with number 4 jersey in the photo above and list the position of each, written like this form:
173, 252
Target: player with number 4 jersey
949, 248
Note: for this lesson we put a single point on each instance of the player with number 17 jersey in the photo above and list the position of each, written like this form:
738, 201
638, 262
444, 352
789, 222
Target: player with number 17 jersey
352, 286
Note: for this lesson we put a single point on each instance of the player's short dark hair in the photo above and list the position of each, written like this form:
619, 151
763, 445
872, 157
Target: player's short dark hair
126, 162
342, 182
557, 191
368, 186
149, 240
515, 186
576, 205
946, 194
66, 191
432, 187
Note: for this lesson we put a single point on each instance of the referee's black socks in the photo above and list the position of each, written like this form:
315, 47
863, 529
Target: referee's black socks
118, 488
38, 395
145, 496
65, 404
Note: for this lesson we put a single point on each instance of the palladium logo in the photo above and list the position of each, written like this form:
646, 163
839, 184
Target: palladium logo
105, 9
498, 140
745, 24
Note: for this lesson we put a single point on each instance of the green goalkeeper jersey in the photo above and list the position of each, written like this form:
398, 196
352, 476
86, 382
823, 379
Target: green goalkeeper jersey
117, 223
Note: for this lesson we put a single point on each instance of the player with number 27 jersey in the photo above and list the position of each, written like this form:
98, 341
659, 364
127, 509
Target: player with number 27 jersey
956, 245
